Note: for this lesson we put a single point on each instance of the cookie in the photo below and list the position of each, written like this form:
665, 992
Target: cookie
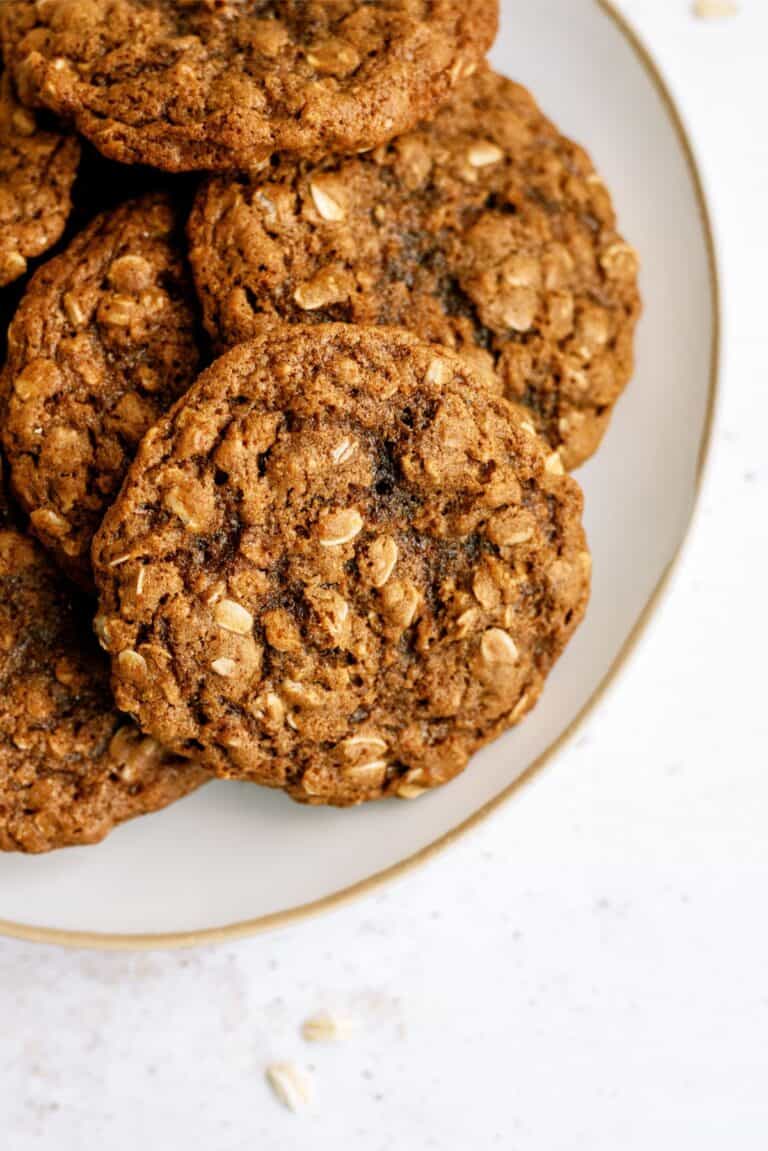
102, 343
71, 767
338, 566
485, 230
37, 170
217, 84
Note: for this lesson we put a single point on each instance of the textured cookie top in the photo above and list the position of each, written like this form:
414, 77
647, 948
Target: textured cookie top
102, 343
486, 230
338, 566
71, 767
37, 171
184, 84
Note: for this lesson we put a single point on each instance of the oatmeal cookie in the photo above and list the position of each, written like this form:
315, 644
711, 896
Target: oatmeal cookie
37, 170
217, 84
485, 230
102, 343
71, 767
338, 566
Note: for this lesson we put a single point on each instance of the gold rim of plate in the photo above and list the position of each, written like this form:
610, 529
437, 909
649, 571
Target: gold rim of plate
127, 942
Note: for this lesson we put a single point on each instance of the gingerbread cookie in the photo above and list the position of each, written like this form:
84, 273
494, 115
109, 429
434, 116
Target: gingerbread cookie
217, 84
71, 767
485, 230
102, 343
37, 171
338, 566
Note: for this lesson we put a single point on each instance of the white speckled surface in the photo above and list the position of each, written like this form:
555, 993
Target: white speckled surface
601, 986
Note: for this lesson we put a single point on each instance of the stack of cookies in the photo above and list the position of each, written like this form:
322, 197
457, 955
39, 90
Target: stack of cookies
311, 315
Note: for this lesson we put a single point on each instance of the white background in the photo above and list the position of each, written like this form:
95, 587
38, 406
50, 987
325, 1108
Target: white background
589, 968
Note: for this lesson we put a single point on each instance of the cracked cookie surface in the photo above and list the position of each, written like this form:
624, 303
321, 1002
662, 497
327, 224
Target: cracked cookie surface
37, 170
486, 230
102, 343
212, 84
71, 767
338, 566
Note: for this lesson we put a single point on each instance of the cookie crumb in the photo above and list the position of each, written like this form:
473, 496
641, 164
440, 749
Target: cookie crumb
326, 1028
715, 9
291, 1086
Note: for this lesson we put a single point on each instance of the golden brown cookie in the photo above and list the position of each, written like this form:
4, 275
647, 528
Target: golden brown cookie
217, 84
102, 343
485, 230
71, 767
37, 171
338, 566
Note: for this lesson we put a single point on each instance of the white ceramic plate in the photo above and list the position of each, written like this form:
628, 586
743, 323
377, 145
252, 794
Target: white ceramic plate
236, 857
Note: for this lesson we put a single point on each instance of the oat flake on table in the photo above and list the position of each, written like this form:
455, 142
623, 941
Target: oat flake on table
291, 1086
326, 1028
715, 9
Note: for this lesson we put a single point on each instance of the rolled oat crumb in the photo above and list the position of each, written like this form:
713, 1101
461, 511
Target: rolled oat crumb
484, 152
326, 1028
554, 464
410, 791
383, 555
438, 372
131, 663
344, 451
14, 265
715, 9
340, 528
290, 1085
360, 745
232, 616
373, 773
327, 206
498, 647
330, 286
